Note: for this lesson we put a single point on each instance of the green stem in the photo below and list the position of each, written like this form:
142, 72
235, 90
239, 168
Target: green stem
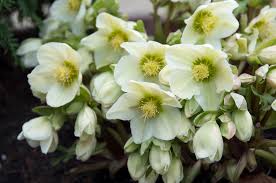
266, 143
269, 157
158, 29
266, 117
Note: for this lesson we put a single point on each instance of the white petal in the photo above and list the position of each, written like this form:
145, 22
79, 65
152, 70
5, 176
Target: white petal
59, 95
182, 84
41, 78
60, 11
141, 129
189, 36
29, 45
109, 22
96, 40
30, 60
85, 148
209, 99
224, 77
107, 55
127, 69
167, 124
56, 53
37, 129
49, 145
124, 108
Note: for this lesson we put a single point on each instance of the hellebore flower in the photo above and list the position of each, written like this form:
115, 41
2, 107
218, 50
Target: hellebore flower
106, 42
200, 71
144, 62
39, 132
210, 23
57, 75
152, 112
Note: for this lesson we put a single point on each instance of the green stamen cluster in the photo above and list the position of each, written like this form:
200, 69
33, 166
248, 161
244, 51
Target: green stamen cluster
204, 22
66, 73
152, 64
203, 70
150, 107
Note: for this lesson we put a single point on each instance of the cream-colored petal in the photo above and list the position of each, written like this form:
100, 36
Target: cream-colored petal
96, 40
124, 108
29, 45
127, 69
37, 129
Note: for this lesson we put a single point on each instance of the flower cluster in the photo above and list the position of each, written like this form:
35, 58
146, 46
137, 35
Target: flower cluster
187, 101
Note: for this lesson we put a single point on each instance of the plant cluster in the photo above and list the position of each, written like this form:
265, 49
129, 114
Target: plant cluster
197, 99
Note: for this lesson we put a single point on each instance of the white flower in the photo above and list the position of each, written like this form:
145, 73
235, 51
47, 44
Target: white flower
144, 62
85, 147
159, 159
199, 71
210, 23
28, 50
104, 89
150, 110
86, 122
48, 27
72, 12
271, 77
106, 42
39, 132
264, 23
57, 75
208, 143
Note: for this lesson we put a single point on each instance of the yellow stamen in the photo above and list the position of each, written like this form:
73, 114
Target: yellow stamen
151, 65
116, 38
74, 5
200, 72
204, 22
150, 107
66, 73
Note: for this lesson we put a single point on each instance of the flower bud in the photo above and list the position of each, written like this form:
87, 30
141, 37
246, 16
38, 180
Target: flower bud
130, 146
149, 177
208, 143
271, 78
86, 122
104, 89
236, 46
228, 130
159, 160
191, 108
137, 165
273, 105
235, 100
175, 172
203, 118
262, 71
85, 147
247, 78
268, 55
186, 131
244, 125
237, 83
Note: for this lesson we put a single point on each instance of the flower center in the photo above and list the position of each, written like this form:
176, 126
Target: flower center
116, 38
204, 22
74, 5
151, 65
202, 70
150, 107
66, 73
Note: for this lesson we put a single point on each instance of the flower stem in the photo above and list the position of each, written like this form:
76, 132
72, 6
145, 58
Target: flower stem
268, 156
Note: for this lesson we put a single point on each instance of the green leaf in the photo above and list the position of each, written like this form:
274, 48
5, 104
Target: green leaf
6, 4
174, 38
43, 110
109, 6
265, 99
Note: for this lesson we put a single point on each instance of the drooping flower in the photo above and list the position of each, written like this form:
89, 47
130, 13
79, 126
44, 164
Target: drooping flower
106, 42
39, 132
208, 142
152, 112
104, 89
85, 147
144, 62
244, 125
57, 75
264, 23
70, 11
210, 23
200, 71
28, 50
